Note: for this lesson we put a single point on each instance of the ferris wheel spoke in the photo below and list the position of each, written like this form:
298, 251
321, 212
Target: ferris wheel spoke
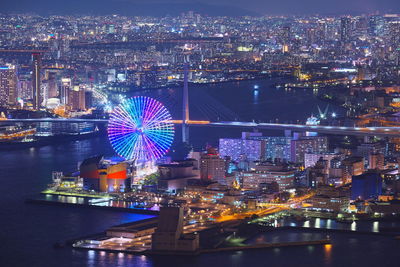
126, 143
151, 148
122, 117
157, 117
161, 142
140, 129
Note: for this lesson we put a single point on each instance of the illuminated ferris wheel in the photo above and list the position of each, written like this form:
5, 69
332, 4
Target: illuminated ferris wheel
140, 129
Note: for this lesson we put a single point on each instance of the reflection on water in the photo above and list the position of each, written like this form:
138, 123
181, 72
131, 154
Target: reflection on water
353, 226
255, 96
329, 224
375, 227
328, 253
317, 223
364, 226
103, 202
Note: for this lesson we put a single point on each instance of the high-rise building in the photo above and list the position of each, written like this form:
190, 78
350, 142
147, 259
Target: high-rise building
352, 166
66, 86
376, 161
286, 35
8, 86
250, 147
88, 99
277, 147
212, 167
51, 91
238, 149
366, 186
76, 99
315, 144
394, 35
36, 81
376, 25
345, 29
24, 84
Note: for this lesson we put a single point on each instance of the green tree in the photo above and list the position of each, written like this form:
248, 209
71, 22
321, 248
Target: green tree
151, 179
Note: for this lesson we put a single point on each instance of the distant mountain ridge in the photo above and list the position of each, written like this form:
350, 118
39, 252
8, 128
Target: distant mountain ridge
107, 7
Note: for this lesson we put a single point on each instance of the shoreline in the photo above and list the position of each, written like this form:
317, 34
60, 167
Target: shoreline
327, 230
215, 250
51, 140
204, 84
78, 205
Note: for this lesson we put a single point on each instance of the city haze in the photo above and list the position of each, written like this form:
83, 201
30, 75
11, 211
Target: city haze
209, 7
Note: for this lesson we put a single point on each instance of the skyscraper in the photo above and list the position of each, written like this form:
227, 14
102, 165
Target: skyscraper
36, 80
345, 30
8, 86
376, 25
76, 98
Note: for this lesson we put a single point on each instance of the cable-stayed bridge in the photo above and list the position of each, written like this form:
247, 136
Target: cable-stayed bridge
339, 130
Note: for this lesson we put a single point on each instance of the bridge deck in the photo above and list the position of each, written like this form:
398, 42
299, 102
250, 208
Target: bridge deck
341, 130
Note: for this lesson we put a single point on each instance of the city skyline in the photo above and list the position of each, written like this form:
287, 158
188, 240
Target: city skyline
187, 134
204, 7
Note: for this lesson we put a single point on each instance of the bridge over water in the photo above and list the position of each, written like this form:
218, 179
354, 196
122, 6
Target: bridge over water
339, 130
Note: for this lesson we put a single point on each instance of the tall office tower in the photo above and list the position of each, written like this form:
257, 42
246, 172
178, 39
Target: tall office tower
76, 99
322, 30
24, 88
394, 35
66, 85
286, 34
88, 99
212, 167
345, 29
8, 86
361, 26
24, 84
376, 25
52, 91
36, 81
311, 35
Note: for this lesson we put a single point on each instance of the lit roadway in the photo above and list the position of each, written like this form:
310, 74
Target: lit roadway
259, 212
266, 209
341, 130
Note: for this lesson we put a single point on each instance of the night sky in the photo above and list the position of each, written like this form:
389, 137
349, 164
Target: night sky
210, 7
